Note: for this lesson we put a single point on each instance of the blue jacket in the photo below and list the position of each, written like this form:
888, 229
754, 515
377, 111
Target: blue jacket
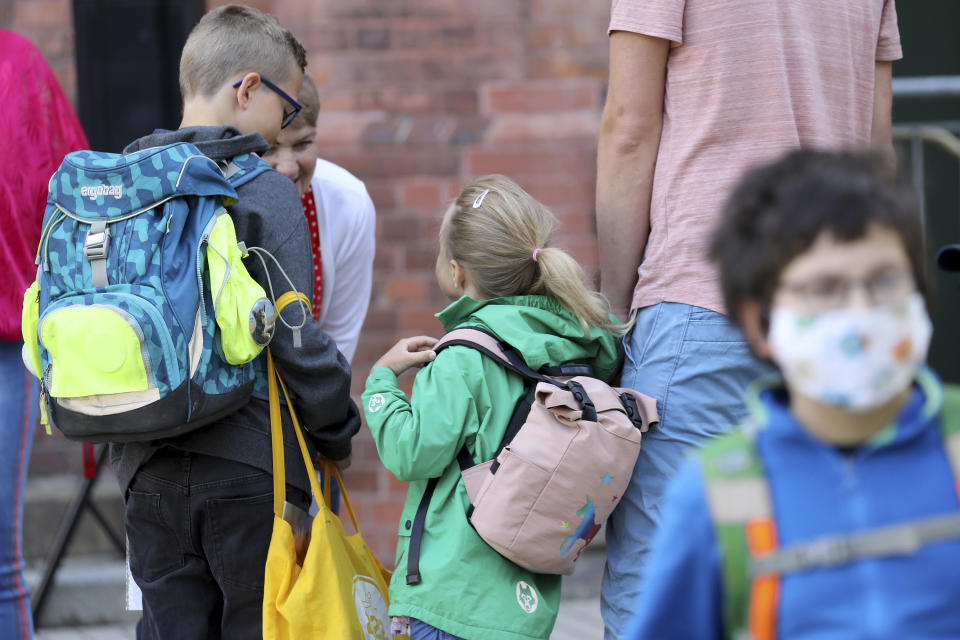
901, 474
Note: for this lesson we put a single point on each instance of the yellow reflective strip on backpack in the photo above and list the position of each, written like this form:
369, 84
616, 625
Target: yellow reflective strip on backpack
45, 241
29, 318
94, 351
290, 297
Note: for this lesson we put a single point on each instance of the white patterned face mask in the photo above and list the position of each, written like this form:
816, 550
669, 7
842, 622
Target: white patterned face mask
855, 359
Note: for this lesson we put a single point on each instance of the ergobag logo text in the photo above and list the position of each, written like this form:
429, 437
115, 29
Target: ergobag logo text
140, 323
102, 190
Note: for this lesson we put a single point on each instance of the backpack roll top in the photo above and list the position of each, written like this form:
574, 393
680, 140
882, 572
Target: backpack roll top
564, 462
125, 331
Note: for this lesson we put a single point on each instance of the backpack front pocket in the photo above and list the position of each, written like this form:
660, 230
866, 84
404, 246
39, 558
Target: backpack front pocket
28, 327
113, 346
245, 316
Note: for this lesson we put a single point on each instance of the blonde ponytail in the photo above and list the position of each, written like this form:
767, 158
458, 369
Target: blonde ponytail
563, 278
493, 229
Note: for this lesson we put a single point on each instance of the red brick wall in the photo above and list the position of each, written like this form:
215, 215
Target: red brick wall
419, 96
49, 25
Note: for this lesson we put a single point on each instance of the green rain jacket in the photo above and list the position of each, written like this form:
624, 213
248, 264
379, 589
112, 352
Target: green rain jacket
463, 397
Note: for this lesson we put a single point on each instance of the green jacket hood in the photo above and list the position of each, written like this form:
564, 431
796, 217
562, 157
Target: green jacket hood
540, 328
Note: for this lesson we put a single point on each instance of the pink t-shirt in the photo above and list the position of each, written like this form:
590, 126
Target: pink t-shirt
746, 80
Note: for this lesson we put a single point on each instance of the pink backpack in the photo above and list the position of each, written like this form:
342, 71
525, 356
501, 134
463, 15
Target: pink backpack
562, 466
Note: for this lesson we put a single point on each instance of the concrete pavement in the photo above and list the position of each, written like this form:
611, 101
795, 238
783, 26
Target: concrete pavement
578, 620
87, 601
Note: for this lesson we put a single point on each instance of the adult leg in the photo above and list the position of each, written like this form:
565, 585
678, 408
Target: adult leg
697, 367
18, 414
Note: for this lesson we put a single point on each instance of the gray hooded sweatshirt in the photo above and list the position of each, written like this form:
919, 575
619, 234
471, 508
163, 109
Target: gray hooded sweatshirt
268, 215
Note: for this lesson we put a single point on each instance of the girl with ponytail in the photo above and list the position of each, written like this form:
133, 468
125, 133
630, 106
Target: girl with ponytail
496, 265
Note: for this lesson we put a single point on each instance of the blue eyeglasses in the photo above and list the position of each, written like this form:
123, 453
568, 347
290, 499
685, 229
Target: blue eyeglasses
288, 116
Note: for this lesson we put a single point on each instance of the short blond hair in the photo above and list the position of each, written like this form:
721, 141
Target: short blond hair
493, 229
235, 39
309, 99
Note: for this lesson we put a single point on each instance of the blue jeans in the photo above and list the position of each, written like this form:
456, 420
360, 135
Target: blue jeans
420, 630
697, 367
18, 413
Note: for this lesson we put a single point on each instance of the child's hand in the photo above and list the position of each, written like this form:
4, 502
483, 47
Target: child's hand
407, 353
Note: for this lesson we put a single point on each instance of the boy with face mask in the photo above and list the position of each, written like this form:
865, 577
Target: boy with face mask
834, 511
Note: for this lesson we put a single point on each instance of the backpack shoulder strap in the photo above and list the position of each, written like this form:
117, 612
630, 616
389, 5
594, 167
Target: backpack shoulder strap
243, 168
489, 344
507, 357
492, 347
738, 496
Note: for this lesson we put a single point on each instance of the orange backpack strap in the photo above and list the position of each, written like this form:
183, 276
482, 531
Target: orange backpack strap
764, 589
738, 496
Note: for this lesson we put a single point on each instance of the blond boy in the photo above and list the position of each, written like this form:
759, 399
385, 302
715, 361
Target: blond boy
199, 506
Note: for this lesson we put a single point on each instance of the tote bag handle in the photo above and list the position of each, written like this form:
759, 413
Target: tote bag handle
279, 468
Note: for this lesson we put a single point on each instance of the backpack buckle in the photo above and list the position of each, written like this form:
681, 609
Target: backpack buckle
95, 248
586, 404
97, 244
632, 409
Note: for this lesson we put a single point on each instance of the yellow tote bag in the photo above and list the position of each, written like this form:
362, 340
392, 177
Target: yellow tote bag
339, 591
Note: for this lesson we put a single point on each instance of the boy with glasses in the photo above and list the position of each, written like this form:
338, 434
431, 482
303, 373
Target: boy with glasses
833, 512
199, 507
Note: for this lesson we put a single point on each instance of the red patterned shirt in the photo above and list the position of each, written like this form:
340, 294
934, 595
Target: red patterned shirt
310, 211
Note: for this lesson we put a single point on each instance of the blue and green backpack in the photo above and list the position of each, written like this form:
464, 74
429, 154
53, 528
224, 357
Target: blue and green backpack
143, 321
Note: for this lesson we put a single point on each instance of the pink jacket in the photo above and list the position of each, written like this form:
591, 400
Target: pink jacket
38, 128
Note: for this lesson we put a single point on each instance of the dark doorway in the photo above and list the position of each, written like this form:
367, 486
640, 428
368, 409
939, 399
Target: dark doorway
931, 48
128, 57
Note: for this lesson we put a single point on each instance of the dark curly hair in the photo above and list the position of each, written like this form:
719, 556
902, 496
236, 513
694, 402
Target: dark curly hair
777, 211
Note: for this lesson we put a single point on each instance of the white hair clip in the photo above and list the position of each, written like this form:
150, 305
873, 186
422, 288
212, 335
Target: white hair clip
479, 201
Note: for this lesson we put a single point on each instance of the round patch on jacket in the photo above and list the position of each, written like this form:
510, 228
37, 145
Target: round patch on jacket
527, 597
376, 402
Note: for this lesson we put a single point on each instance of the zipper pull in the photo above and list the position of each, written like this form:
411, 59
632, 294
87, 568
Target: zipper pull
44, 419
44, 409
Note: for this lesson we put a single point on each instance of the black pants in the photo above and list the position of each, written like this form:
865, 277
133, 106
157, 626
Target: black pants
199, 528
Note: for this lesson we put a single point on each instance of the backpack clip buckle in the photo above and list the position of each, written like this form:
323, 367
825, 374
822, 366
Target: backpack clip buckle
632, 409
95, 248
588, 409
97, 244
